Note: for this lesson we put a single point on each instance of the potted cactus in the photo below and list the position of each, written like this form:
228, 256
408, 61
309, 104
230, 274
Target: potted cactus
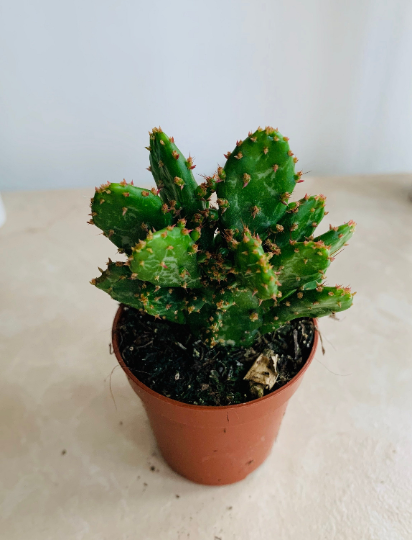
217, 298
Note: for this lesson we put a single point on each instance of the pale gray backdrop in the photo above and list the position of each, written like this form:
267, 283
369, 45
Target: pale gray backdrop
83, 81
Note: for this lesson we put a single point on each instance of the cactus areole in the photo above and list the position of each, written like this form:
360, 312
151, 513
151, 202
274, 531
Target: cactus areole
231, 271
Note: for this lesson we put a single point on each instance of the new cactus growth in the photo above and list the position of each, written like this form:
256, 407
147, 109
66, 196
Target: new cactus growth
228, 273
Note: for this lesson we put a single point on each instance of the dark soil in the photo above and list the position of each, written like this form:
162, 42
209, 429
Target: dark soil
166, 357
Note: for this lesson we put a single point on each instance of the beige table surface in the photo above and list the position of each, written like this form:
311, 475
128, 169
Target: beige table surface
77, 465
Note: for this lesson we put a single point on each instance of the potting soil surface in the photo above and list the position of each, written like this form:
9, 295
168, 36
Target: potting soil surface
167, 358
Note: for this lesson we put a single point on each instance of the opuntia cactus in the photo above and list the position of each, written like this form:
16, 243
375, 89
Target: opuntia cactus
228, 273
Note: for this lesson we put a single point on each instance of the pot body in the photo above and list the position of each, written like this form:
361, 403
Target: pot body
214, 445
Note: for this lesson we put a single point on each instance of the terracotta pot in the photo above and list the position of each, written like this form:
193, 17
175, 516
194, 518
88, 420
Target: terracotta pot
214, 445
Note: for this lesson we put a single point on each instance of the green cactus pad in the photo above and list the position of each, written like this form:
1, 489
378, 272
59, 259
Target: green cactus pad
167, 258
234, 318
337, 237
312, 284
253, 266
173, 173
126, 213
118, 281
299, 222
260, 176
314, 303
301, 263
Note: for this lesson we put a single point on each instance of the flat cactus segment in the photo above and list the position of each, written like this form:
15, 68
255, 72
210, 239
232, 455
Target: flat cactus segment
298, 223
337, 237
253, 266
315, 303
301, 263
126, 213
173, 173
312, 284
167, 258
167, 303
238, 327
116, 274
260, 176
196, 299
233, 320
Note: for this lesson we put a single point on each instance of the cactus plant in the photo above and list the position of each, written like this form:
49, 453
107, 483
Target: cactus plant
228, 273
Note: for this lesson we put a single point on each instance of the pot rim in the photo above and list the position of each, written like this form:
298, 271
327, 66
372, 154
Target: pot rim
210, 408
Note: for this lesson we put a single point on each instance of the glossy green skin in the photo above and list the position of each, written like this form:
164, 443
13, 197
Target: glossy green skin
162, 302
312, 304
336, 239
299, 221
237, 326
294, 271
167, 259
254, 268
125, 228
165, 168
234, 323
227, 287
266, 188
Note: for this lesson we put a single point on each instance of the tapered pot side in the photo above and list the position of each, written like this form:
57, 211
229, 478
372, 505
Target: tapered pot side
214, 445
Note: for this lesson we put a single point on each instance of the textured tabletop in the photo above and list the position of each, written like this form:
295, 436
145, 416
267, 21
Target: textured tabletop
77, 454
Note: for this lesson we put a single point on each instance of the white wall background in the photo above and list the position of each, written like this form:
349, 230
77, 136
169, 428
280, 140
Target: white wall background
82, 82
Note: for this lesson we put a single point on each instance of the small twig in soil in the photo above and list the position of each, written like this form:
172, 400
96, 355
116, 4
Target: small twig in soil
144, 345
141, 371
